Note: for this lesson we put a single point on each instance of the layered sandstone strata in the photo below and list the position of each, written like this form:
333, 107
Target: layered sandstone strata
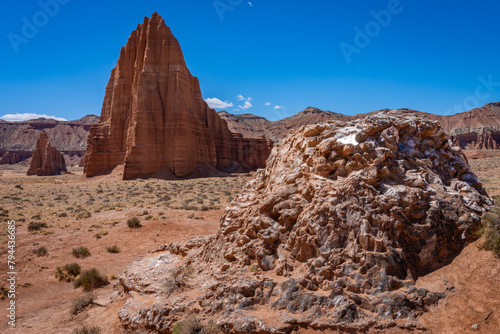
47, 160
155, 121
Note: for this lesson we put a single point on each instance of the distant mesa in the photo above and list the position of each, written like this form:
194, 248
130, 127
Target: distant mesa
18, 139
476, 129
47, 160
154, 121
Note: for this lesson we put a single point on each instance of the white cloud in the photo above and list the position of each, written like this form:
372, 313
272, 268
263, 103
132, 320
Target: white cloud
246, 105
215, 103
278, 107
267, 104
242, 98
28, 116
250, 4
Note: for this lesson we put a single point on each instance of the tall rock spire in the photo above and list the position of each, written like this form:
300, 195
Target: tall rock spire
47, 160
154, 117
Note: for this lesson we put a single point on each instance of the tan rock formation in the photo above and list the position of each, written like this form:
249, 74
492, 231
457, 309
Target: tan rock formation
332, 234
47, 160
154, 119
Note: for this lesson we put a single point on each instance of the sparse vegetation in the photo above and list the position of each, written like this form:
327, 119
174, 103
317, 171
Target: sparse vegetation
134, 223
90, 280
113, 249
83, 215
88, 330
67, 273
490, 230
36, 226
193, 325
80, 252
81, 303
41, 251
178, 278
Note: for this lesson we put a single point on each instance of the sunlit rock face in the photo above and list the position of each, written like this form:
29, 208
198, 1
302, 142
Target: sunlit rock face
47, 160
154, 119
332, 234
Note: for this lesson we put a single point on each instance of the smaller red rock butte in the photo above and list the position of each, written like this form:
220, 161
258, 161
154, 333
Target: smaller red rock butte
155, 122
47, 160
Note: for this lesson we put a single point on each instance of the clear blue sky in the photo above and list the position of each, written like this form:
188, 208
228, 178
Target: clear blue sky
433, 56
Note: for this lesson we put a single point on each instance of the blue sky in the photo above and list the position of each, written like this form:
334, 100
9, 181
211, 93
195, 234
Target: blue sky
347, 56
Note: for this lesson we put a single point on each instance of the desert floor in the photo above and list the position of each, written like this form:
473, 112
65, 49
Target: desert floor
93, 213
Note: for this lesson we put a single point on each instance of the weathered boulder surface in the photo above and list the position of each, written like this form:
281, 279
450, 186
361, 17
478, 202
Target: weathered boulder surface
332, 234
154, 119
47, 160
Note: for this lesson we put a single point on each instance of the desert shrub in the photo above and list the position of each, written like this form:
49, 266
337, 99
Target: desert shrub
81, 303
490, 230
68, 272
80, 252
36, 226
149, 217
134, 222
36, 217
83, 215
113, 249
88, 330
193, 325
91, 279
63, 214
41, 251
178, 278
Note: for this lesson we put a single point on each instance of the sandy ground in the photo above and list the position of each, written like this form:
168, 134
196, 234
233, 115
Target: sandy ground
171, 211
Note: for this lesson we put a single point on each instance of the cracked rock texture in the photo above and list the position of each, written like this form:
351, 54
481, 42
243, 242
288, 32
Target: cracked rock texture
332, 234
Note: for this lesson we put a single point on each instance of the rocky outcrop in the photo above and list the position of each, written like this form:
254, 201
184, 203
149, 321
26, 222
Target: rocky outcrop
332, 234
18, 139
47, 160
154, 120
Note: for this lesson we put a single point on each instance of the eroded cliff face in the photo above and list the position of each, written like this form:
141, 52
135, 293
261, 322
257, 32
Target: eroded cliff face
154, 119
47, 160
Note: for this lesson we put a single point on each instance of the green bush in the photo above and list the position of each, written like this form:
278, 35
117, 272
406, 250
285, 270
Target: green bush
80, 252
88, 330
113, 249
134, 222
68, 272
36, 226
41, 251
490, 230
90, 280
